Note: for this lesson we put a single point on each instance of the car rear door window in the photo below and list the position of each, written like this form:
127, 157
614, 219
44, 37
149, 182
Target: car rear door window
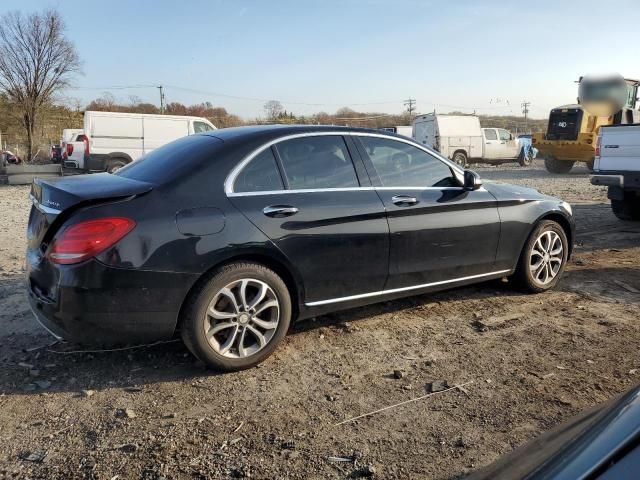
261, 174
317, 162
490, 134
399, 164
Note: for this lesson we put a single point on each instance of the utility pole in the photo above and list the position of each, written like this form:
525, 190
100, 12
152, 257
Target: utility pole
161, 99
410, 103
525, 111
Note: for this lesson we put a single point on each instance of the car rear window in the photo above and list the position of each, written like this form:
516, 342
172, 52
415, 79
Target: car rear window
260, 175
171, 159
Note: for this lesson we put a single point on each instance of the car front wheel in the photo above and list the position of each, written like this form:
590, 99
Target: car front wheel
543, 258
238, 317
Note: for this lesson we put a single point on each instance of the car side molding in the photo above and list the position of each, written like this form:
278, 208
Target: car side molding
402, 289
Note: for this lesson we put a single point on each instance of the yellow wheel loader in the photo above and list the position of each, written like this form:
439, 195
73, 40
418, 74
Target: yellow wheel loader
573, 129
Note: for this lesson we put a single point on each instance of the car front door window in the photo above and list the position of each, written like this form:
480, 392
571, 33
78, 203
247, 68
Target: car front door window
505, 136
200, 127
399, 164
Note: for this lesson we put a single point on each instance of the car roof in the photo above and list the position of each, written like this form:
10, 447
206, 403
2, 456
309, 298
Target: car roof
276, 131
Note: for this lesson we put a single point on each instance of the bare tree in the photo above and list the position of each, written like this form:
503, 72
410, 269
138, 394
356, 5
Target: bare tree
273, 108
36, 62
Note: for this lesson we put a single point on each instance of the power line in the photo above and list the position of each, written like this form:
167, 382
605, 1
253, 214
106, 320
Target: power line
410, 103
115, 87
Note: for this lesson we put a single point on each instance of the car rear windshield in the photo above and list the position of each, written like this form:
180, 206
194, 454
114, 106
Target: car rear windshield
170, 160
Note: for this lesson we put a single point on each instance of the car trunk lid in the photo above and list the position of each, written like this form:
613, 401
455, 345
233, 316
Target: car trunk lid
55, 199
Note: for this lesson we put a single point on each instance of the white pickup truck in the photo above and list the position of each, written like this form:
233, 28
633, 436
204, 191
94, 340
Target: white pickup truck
617, 165
460, 138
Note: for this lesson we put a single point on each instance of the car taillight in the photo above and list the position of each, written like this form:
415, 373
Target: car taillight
84, 240
69, 149
85, 140
598, 142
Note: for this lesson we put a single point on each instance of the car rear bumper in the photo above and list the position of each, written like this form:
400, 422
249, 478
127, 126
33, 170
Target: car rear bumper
95, 304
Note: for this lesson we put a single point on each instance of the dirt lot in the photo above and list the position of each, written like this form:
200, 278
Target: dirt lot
156, 413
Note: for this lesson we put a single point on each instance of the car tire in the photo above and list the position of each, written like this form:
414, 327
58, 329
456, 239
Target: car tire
461, 159
558, 166
218, 325
115, 164
543, 257
525, 159
627, 209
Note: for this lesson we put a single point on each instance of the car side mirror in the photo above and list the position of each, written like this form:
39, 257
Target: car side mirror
472, 180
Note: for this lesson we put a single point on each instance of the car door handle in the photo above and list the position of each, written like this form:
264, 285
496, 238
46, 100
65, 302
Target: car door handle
404, 200
278, 211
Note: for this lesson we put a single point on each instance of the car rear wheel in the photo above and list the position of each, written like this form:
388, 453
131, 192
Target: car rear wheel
238, 317
554, 165
543, 258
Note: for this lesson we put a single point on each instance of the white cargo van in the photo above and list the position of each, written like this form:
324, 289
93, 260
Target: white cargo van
110, 140
460, 138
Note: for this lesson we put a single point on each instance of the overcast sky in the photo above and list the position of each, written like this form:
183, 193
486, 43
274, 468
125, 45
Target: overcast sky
369, 55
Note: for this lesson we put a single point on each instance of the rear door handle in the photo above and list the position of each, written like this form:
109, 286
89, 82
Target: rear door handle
278, 211
404, 200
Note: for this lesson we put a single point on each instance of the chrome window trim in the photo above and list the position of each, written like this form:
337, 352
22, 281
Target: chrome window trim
346, 189
42, 208
402, 289
231, 178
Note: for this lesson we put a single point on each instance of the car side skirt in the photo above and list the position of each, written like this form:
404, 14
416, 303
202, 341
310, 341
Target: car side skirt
381, 293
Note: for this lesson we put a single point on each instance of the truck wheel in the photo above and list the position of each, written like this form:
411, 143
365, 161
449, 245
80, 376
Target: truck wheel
627, 209
115, 164
461, 159
525, 159
558, 166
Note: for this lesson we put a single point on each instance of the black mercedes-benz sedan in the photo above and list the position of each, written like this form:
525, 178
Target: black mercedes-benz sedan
228, 236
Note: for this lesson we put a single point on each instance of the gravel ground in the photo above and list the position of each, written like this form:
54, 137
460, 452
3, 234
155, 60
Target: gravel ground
534, 360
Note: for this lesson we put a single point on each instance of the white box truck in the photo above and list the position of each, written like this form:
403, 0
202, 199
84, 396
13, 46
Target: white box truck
617, 165
110, 140
460, 138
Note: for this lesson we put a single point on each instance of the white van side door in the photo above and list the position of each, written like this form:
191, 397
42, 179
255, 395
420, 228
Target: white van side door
159, 131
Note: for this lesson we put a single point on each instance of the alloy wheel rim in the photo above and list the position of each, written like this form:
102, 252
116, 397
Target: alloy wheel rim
546, 257
242, 318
